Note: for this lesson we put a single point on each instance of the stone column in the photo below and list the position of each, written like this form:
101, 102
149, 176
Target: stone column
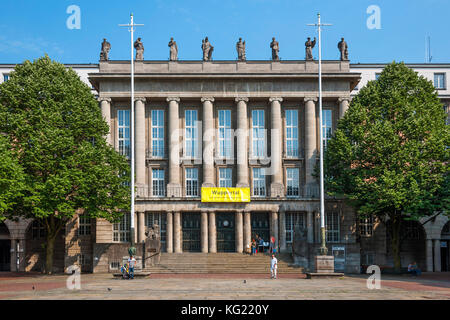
274, 227
174, 186
310, 226
239, 232
212, 233
177, 240
208, 142
135, 227
169, 233
141, 224
247, 229
242, 149
204, 232
140, 142
276, 162
437, 255
105, 105
310, 141
429, 255
283, 231
343, 106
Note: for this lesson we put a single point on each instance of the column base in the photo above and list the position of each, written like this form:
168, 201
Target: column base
277, 190
174, 190
324, 264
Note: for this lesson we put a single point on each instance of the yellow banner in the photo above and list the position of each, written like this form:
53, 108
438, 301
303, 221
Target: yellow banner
225, 194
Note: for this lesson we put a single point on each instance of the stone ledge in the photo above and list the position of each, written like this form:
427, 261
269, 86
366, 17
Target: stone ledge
323, 275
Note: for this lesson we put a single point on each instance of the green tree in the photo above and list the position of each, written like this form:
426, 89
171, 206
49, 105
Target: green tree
389, 154
56, 126
11, 178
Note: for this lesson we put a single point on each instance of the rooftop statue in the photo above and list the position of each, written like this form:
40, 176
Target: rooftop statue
343, 48
240, 48
139, 46
106, 47
207, 49
173, 50
275, 48
309, 45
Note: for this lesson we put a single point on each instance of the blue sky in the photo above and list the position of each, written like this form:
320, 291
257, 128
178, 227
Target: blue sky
28, 29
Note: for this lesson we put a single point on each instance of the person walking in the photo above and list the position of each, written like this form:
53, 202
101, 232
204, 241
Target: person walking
131, 265
273, 267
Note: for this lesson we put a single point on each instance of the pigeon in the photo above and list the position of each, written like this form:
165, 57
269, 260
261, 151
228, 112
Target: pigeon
33, 287
245, 281
109, 289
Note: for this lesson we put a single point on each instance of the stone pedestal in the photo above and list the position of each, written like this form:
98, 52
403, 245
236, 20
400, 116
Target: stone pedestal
324, 264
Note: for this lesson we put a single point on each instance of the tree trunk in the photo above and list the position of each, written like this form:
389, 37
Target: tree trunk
395, 243
50, 248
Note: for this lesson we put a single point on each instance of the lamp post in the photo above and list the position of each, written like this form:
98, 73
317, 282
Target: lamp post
131, 26
323, 247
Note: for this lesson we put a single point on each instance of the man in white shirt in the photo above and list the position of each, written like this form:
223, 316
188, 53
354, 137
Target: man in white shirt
273, 267
131, 265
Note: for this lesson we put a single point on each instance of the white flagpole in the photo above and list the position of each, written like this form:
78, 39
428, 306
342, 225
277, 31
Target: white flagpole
132, 220
323, 247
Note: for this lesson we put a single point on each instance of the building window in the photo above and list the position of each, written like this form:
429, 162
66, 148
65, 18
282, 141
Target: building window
258, 133
191, 134
84, 225
82, 259
158, 185
191, 182
259, 182
123, 127
225, 139
439, 80
327, 123
293, 182
411, 230
158, 133
225, 178
332, 226
368, 258
366, 226
114, 265
38, 230
121, 229
161, 220
292, 133
5, 77
293, 221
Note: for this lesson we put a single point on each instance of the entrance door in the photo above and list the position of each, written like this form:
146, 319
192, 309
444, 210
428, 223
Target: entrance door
5, 255
225, 226
261, 225
191, 231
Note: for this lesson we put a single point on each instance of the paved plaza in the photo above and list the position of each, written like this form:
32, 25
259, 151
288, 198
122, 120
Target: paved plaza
228, 287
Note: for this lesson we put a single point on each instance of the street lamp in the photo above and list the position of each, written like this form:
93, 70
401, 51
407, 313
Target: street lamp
131, 29
323, 247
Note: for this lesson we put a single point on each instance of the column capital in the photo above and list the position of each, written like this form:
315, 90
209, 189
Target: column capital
313, 99
101, 99
141, 99
272, 99
203, 99
176, 99
237, 99
341, 99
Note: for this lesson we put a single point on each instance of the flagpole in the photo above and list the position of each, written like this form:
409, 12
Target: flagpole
132, 220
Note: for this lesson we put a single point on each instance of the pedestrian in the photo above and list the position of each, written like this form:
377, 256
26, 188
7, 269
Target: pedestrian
131, 265
253, 247
273, 267
261, 244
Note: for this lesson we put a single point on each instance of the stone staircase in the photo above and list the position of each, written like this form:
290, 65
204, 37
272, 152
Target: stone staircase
220, 263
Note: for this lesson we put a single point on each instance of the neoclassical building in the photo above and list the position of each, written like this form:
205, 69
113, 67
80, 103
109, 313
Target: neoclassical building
246, 124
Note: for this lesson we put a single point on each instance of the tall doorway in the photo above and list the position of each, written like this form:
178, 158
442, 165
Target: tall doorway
445, 248
225, 226
5, 248
260, 225
191, 231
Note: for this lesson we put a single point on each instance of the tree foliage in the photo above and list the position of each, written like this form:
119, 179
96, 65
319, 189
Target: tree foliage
389, 154
55, 126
